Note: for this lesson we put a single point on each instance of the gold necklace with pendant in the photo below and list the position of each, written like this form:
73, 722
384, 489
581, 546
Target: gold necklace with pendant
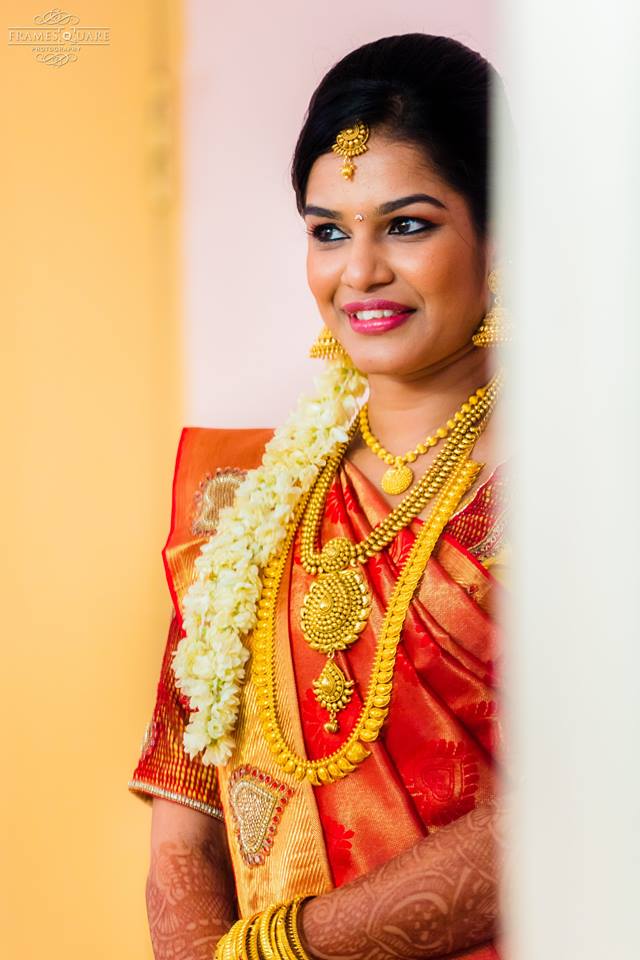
337, 605
356, 747
399, 476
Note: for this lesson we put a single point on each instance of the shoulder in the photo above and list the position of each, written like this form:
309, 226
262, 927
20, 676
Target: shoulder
210, 464
206, 448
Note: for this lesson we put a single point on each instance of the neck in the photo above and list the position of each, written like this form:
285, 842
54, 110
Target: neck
404, 409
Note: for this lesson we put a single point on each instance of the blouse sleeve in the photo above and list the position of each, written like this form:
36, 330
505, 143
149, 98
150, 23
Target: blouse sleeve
210, 464
164, 769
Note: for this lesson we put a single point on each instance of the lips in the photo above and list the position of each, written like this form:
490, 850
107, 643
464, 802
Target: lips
357, 305
373, 325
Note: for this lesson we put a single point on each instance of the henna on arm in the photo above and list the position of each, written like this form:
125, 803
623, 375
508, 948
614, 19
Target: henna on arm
436, 898
190, 897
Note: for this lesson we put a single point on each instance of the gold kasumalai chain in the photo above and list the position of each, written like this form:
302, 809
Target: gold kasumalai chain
451, 475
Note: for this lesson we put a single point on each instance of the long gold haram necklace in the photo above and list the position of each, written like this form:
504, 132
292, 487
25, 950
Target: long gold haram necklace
460, 475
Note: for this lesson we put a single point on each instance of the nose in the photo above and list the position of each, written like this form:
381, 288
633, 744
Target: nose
365, 265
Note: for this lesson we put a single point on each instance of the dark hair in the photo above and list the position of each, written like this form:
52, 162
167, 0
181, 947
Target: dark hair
427, 90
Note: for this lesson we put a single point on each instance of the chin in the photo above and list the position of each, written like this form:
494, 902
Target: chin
388, 362
402, 351
390, 355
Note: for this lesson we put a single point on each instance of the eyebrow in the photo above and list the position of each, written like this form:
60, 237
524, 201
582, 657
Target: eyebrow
380, 211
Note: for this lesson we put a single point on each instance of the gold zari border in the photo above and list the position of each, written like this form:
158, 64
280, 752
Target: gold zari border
172, 795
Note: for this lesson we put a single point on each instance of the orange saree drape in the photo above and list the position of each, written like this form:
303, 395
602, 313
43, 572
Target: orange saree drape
435, 757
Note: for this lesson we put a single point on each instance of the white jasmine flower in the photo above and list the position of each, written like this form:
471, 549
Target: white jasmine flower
220, 605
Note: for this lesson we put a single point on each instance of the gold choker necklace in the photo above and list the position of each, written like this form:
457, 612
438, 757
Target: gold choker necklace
399, 476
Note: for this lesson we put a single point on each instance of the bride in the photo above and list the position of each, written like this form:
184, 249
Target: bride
321, 757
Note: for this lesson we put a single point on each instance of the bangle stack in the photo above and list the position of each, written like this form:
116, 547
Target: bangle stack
271, 934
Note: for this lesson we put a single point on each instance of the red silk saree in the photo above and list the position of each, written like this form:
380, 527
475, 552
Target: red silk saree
434, 760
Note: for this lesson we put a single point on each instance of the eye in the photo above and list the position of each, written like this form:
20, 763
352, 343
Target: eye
322, 232
423, 225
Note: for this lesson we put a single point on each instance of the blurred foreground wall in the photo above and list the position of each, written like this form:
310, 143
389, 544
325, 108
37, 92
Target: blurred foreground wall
91, 409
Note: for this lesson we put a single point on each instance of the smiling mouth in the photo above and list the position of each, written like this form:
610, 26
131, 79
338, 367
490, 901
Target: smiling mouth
377, 314
378, 321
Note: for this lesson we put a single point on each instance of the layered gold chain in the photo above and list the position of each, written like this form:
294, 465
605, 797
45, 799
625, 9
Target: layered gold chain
376, 703
340, 552
399, 476
337, 605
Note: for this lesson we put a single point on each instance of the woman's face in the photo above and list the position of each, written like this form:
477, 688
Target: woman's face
418, 254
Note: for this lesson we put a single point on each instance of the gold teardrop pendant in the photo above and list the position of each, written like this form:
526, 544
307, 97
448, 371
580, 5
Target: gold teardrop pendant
333, 692
397, 479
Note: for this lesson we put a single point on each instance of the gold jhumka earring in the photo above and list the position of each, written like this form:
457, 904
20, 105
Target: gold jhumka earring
351, 142
326, 347
496, 326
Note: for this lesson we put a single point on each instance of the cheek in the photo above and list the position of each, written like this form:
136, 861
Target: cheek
323, 275
424, 266
444, 270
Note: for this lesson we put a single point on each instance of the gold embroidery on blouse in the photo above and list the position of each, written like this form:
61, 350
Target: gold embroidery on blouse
150, 788
214, 492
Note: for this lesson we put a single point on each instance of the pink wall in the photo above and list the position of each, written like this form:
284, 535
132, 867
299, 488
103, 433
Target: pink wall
250, 69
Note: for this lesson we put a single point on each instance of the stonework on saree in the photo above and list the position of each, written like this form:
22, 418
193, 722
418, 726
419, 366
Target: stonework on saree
257, 802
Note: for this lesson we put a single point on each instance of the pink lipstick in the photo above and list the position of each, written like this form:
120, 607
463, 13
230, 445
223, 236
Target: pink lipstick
388, 314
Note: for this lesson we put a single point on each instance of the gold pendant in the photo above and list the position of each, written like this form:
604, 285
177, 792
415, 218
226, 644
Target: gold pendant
335, 610
347, 169
333, 692
397, 479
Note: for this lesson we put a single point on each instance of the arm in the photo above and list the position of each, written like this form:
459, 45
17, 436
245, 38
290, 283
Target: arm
190, 889
438, 897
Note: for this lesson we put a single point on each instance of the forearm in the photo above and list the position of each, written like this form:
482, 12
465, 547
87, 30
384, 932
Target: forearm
190, 898
438, 897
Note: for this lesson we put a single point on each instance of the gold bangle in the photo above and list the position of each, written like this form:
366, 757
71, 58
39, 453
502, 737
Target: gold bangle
232, 944
241, 949
265, 937
222, 946
230, 951
253, 953
292, 928
271, 934
280, 944
284, 945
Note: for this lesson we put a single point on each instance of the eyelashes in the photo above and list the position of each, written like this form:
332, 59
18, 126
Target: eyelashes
319, 231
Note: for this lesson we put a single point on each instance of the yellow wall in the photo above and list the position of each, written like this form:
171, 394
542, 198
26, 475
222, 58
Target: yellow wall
91, 413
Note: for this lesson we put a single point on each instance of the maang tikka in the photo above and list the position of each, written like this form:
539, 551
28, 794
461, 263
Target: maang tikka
351, 142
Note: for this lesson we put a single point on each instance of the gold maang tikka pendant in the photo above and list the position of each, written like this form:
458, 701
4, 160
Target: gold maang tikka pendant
334, 612
351, 142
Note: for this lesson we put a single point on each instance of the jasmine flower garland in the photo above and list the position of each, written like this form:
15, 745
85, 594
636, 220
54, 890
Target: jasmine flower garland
220, 606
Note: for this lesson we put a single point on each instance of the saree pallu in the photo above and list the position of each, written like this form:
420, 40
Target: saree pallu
434, 760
